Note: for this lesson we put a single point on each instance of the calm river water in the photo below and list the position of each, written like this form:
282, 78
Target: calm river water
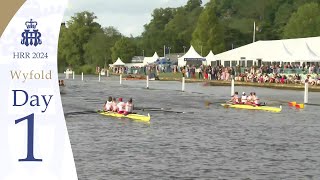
203, 143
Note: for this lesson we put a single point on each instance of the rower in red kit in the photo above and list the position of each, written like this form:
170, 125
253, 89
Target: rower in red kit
108, 105
121, 106
128, 107
114, 105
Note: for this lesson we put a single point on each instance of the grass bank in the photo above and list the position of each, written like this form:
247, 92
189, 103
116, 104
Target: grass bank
178, 76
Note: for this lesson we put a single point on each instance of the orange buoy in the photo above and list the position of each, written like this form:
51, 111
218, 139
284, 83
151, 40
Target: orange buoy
292, 103
300, 106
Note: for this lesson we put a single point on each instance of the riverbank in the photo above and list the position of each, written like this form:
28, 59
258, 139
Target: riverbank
177, 77
299, 87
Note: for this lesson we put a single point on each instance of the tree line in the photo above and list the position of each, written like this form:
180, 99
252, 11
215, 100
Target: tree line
219, 25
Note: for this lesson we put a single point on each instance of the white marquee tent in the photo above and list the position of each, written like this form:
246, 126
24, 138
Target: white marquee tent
287, 50
301, 50
191, 55
314, 44
210, 58
148, 60
272, 51
118, 62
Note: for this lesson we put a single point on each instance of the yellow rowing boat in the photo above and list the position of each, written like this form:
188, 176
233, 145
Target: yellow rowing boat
253, 107
136, 117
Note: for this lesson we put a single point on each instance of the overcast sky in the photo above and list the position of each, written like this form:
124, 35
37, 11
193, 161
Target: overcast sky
128, 16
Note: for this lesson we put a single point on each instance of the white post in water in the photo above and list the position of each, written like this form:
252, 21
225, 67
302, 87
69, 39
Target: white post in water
147, 82
82, 76
67, 75
120, 78
232, 87
72, 74
99, 77
107, 73
306, 92
183, 83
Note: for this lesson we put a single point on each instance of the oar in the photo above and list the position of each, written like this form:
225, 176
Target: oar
179, 112
276, 100
150, 109
313, 104
208, 103
80, 112
164, 110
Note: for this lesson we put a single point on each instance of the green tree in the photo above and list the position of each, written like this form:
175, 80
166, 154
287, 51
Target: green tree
208, 34
112, 32
125, 49
179, 30
282, 15
304, 23
62, 52
154, 37
77, 34
96, 50
192, 4
112, 36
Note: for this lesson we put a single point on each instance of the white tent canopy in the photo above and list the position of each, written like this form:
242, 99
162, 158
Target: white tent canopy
272, 51
238, 53
210, 57
287, 50
257, 50
118, 62
301, 50
148, 60
191, 55
314, 44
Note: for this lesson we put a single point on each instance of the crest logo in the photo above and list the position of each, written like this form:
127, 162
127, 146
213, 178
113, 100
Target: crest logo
31, 35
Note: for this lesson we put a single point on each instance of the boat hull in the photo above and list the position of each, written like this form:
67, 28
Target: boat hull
252, 107
136, 117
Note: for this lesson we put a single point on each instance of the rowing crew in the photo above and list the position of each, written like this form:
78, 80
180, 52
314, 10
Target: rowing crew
120, 107
244, 99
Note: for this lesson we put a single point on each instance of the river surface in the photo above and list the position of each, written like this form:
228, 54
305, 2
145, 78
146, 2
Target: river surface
204, 142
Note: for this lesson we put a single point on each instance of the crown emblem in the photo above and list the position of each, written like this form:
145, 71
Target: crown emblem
31, 24
31, 36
